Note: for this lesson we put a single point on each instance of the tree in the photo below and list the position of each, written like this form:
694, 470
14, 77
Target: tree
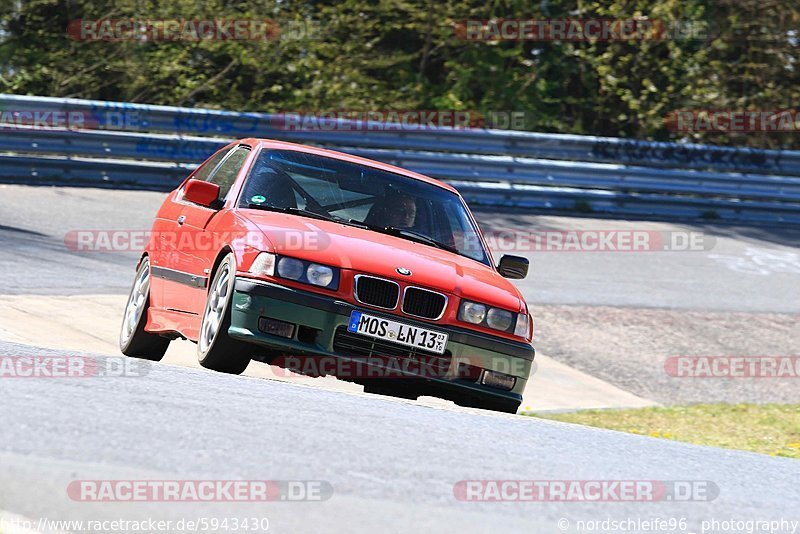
409, 54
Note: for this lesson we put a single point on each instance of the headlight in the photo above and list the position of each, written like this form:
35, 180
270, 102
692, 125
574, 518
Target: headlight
293, 269
307, 272
264, 264
499, 319
290, 268
472, 312
494, 318
319, 275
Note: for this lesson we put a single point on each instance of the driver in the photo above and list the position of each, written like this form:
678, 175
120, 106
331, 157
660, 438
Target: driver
397, 210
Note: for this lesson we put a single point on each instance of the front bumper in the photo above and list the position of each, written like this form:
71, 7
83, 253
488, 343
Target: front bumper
318, 317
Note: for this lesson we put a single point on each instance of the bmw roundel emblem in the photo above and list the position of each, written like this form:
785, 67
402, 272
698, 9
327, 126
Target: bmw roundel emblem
404, 271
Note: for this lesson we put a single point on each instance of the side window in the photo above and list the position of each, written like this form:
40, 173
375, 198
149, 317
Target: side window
229, 170
205, 171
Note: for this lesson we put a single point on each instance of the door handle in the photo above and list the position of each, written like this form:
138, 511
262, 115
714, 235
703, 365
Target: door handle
181, 220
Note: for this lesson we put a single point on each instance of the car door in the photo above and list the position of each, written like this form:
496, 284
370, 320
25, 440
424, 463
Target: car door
164, 256
196, 248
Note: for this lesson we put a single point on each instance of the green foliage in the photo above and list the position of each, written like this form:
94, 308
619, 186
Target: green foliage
405, 54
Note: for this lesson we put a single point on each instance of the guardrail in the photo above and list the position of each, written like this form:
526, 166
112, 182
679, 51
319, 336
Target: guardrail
207, 122
522, 169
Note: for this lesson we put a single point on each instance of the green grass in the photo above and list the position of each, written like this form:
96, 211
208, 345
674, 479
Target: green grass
772, 429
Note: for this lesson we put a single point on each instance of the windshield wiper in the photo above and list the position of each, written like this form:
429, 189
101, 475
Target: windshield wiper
294, 211
406, 234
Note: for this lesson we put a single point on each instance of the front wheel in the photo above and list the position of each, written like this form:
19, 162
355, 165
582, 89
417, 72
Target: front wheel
216, 350
133, 340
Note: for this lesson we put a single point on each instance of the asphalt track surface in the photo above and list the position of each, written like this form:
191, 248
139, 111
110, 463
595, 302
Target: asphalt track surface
392, 464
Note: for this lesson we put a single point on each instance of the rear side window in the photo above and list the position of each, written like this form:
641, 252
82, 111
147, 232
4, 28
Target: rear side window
226, 174
205, 171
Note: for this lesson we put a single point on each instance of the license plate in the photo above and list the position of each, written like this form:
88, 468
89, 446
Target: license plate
401, 333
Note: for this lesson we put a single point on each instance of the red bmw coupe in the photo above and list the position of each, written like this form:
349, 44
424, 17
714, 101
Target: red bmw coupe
327, 263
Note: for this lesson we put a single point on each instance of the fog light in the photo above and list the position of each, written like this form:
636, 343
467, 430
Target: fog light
498, 380
276, 328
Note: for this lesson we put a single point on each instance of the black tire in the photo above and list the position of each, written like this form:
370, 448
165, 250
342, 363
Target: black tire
215, 349
133, 340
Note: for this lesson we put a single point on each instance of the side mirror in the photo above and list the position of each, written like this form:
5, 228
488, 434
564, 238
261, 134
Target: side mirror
514, 267
200, 192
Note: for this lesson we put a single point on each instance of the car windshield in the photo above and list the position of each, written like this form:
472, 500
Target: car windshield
307, 184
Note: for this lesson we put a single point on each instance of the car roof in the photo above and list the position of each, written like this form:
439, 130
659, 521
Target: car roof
271, 143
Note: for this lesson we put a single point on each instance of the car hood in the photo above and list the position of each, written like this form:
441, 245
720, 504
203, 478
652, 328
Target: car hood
368, 252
